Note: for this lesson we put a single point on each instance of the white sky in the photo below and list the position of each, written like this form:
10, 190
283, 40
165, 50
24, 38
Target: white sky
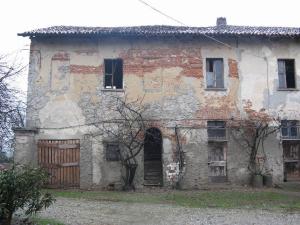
23, 15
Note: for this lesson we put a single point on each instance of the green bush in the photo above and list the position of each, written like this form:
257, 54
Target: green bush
20, 188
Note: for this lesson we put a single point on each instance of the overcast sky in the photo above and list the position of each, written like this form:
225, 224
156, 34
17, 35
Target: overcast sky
22, 15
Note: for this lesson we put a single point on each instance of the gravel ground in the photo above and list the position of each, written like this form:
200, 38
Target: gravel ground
86, 212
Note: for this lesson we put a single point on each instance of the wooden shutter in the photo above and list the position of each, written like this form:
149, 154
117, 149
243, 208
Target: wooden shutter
210, 79
118, 73
108, 73
281, 74
210, 76
218, 70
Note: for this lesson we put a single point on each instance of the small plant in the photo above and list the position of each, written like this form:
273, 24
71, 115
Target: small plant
21, 188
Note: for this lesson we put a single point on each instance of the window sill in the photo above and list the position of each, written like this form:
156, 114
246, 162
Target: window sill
215, 89
112, 90
287, 89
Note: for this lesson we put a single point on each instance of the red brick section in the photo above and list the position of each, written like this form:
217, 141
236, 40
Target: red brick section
140, 61
61, 56
83, 69
233, 68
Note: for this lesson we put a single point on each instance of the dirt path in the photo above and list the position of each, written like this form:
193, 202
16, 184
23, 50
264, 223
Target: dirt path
86, 212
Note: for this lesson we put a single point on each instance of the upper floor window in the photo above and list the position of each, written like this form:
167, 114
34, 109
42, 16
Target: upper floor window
113, 73
214, 73
216, 130
286, 73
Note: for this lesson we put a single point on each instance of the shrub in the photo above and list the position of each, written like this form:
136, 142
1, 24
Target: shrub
21, 188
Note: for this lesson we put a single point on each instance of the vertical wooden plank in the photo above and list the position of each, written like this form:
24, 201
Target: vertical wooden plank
49, 162
73, 167
60, 169
78, 167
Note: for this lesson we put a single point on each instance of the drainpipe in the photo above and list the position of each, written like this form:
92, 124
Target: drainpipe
268, 87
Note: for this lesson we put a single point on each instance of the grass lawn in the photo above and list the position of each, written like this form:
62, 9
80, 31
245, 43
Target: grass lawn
244, 198
45, 221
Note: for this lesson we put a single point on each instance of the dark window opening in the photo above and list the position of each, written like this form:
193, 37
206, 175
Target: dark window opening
113, 73
214, 73
216, 129
112, 151
286, 73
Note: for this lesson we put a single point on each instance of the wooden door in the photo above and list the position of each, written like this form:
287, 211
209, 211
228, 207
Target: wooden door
217, 161
291, 156
60, 158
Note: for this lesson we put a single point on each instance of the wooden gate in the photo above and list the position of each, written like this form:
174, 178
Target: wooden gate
60, 158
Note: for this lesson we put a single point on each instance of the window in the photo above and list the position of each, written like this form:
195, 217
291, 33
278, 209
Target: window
216, 130
289, 129
113, 73
214, 73
286, 73
112, 151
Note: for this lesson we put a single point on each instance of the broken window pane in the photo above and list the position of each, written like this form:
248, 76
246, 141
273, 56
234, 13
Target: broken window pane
286, 73
214, 73
112, 151
113, 73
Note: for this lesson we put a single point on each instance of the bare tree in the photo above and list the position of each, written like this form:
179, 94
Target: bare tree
127, 127
251, 133
11, 107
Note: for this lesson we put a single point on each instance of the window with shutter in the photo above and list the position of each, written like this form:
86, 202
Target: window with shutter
286, 73
214, 73
113, 72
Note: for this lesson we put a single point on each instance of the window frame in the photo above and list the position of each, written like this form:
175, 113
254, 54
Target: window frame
112, 74
291, 127
108, 154
214, 87
216, 128
284, 87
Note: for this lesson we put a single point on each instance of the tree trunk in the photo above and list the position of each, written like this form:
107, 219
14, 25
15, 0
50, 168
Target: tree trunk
6, 220
129, 176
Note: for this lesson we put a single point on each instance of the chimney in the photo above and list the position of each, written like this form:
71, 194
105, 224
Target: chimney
221, 21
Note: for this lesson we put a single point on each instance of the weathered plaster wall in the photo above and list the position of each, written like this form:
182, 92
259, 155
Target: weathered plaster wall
26, 146
259, 75
66, 90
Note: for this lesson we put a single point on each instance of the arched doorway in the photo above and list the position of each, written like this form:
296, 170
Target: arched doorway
153, 158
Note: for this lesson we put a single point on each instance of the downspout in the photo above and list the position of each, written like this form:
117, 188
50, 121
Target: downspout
268, 87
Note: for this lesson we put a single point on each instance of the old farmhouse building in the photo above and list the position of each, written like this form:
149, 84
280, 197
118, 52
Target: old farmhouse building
194, 79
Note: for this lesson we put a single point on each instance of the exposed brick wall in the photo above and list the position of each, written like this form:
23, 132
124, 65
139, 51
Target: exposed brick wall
83, 69
61, 56
140, 61
233, 68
